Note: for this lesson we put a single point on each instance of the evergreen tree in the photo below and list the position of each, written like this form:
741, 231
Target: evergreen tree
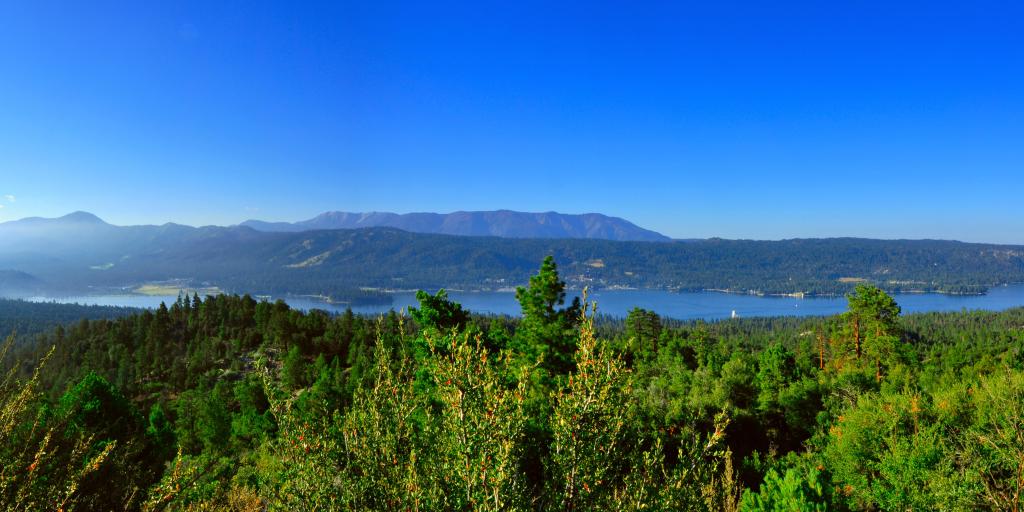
437, 312
546, 328
643, 328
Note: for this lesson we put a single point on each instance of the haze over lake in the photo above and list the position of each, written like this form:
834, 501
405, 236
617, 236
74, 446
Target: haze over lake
684, 305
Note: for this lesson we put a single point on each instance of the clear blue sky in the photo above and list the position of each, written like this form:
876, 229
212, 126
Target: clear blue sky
741, 120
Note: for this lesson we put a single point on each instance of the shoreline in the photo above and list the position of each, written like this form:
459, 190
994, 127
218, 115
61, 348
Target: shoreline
391, 292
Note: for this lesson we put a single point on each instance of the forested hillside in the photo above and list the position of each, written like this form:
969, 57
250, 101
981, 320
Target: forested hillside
230, 403
80, 253
21, 283
30, 319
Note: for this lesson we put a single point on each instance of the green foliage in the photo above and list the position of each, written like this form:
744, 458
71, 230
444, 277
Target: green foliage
255, 406
161, 432
213, 422
479, 435
600, 462
42, 465
96, 410
546, 329
994, 442
437, 312
30, 319
294, 372
864, 442
776, 369
793, 491
590, 430
870, 332
94, 405
643, 330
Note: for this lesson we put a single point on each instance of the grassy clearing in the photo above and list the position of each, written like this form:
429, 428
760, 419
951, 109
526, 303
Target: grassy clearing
852, 280
171, 289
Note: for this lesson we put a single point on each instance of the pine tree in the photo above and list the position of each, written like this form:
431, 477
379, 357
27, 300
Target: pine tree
546, 329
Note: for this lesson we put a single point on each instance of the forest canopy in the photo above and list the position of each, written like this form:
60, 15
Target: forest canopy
231, 403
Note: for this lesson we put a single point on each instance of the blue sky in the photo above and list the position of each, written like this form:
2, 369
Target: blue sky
739, 120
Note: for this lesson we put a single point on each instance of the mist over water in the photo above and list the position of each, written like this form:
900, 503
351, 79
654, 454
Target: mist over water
683, 306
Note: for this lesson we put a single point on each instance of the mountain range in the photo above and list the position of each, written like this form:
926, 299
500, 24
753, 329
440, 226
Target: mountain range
80, 253
501, 223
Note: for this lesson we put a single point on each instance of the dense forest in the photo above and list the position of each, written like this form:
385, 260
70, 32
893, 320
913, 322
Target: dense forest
82, 255
230, 403
30, 319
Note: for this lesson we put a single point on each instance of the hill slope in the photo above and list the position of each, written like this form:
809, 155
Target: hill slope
340, 262
14, 283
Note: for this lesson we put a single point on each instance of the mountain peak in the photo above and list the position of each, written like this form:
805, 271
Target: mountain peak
71, 220
81, 217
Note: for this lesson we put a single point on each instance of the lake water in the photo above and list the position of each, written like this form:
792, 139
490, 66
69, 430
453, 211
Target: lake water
684, 306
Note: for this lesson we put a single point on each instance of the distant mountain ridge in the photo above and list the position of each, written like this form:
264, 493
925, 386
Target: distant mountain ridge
80, 253
500, 223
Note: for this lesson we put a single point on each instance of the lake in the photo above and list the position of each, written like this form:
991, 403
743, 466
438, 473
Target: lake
683, 306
